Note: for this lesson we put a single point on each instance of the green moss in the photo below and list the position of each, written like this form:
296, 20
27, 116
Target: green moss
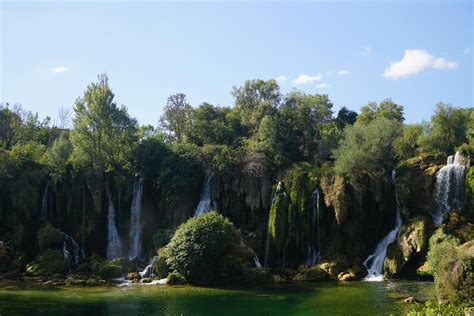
160, 268
278, 222
312, 274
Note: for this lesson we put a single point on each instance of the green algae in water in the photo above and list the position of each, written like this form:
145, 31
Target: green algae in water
354, 298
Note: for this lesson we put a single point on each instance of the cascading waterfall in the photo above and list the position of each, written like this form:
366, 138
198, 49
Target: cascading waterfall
205, 200
76, 250
313, 255
374, 262
449, 188
44, 203
256, 261
148, 269
136, 226
114, 247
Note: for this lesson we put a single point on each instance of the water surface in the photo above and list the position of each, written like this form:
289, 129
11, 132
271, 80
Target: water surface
351, 298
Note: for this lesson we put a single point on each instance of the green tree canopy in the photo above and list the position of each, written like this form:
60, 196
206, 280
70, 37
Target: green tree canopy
104, 135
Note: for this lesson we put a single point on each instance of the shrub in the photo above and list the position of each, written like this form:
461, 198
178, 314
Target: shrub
47, 263
49, 237
206, 249
175, 279
112, 269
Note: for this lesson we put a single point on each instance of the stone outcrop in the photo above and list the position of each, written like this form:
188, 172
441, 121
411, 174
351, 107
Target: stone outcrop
408, 249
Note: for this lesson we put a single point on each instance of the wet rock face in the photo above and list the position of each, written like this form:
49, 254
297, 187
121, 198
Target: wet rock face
408, 248
5, 259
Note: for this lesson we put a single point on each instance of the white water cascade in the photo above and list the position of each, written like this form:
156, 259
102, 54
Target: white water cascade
44, 203
205, 200
148, 269
76, 250
449, 188
374, 262
114, 246
257, 261
313, 255
136, 226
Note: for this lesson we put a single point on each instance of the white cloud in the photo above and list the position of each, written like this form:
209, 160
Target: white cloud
281, 78
467, 51
415, 61
367, 51
322, 86
59, 69
343, 72
305, 79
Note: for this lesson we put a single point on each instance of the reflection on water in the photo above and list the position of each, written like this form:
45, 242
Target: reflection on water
355, 298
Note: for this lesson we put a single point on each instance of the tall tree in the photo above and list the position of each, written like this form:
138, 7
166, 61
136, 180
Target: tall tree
176, 115
104, 134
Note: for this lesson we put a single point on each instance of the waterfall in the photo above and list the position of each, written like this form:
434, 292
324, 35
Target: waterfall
136, 226
313, 255
76, 250
114, 247
256, 261
377, 258
148, 269
449, 188
44, 203
205, 200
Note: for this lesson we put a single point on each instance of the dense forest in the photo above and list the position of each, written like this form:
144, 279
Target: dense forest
302, 189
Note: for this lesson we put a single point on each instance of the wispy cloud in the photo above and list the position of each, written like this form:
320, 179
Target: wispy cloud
367, 51
415, 61
305, 79
322, 86
281, 78
59, 69
343, 72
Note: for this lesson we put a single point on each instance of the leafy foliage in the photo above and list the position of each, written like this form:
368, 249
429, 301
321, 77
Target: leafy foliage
205, 250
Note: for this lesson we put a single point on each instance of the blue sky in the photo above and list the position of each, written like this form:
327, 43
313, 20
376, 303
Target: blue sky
417, 53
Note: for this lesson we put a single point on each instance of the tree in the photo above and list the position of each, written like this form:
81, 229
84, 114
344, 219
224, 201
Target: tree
57, 156
408, 144
176, 116
345, 117
255, 99
104, 134
367, 148
449, 128
387, 108
304, 117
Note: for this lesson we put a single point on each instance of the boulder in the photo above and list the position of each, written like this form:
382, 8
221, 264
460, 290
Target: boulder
346, 276
408, 248
315, 273
133, 276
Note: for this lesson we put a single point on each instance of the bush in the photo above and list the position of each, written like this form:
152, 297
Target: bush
206, 249
175, 279
430, 308
112, 269
49, 237
47, 263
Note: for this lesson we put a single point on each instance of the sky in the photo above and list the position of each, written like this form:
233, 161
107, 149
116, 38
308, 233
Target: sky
416, 52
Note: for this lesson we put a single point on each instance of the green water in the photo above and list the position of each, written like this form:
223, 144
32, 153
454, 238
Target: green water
355, 298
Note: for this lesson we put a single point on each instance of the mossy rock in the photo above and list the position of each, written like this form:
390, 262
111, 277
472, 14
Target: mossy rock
160, 267
49, 237
112, 269
311, 274
47, 263
256, 276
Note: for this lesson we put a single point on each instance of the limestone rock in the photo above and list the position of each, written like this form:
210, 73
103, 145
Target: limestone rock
411, 242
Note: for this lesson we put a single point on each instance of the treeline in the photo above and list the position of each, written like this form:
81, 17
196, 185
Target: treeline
268, 130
